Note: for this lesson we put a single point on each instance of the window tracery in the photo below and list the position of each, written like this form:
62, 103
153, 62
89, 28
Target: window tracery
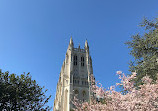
82, 61
75, 60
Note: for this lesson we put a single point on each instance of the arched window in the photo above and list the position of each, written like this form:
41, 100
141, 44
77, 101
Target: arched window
75, 60
76, 91
84, 93
82, 61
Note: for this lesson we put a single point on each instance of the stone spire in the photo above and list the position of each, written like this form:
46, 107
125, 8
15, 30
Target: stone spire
79, 46
86, 45
71, 44
71, 41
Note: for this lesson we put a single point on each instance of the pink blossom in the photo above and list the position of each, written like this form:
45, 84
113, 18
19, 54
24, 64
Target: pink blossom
143, 99
119, 72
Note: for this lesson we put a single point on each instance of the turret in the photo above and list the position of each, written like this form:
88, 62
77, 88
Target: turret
79, 46
79, 49
71, 44
71, 41
86, 46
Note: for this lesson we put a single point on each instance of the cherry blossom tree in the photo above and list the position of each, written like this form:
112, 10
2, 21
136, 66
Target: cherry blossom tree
144, 98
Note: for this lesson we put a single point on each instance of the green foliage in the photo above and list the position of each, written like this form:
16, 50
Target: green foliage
145, 51
21, 93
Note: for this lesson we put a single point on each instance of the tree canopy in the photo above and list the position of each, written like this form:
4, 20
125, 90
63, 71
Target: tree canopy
21, 93
145, 51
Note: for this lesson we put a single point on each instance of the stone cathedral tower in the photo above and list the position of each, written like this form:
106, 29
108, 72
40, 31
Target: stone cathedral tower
74, 77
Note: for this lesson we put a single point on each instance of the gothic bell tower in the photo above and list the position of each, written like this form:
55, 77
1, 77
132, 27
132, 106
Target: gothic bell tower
74, 77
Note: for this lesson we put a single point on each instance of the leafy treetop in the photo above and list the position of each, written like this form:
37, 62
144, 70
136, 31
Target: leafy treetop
21, 93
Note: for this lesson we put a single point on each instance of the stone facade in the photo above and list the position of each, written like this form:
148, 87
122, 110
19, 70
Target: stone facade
74, 77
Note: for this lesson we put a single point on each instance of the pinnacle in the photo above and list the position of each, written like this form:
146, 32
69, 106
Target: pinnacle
71, 41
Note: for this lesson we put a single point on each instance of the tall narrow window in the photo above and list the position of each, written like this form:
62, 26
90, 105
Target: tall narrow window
75, 60
82, 61
76, 92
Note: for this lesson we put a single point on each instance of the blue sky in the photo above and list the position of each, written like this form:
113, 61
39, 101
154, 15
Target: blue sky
34, 35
